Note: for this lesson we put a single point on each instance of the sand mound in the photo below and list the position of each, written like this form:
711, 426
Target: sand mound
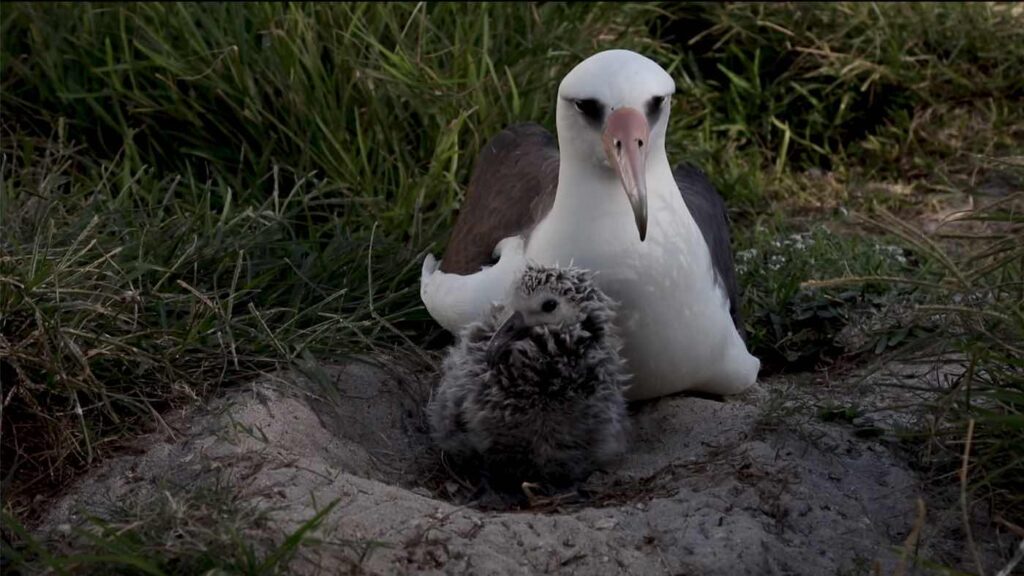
708, 488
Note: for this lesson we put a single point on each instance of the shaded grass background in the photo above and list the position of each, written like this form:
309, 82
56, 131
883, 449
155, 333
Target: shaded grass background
191, 194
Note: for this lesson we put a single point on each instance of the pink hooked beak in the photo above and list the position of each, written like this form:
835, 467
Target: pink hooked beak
625, 141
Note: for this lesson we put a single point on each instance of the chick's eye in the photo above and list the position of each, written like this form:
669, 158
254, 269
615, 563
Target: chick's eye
549, 305
590, 108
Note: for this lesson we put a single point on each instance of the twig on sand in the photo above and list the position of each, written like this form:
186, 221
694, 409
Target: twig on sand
1009, 525
963, 498
911, 542
1013, 561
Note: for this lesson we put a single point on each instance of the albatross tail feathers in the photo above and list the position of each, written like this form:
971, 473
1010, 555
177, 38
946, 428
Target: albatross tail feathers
430, 265
455, 301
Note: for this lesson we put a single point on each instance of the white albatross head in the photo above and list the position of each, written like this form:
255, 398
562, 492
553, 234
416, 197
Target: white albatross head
612, 110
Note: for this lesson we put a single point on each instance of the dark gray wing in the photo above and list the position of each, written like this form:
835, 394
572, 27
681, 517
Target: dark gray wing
511, 189
708, 209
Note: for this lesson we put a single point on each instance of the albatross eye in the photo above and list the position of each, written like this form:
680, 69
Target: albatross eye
549, 305
654, 107
590, 108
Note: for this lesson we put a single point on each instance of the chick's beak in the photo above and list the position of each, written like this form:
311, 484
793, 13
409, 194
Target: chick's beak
625, 141
514, 328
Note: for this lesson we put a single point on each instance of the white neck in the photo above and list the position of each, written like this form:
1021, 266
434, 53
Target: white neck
586, 190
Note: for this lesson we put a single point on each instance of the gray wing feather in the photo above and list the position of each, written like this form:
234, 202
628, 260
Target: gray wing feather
511, 189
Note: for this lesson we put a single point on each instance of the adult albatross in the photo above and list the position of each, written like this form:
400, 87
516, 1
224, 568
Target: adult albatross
605, 198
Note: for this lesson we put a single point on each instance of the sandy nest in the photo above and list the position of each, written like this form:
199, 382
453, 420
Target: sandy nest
756, 484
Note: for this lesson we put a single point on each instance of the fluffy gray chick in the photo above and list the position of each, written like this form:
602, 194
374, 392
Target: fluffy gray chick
534, 392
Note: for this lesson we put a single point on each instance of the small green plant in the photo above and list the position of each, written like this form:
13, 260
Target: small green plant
792, 326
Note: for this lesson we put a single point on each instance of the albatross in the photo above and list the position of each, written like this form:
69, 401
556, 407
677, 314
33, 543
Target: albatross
605, 198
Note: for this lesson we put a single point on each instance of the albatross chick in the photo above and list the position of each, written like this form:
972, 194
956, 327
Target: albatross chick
534, 391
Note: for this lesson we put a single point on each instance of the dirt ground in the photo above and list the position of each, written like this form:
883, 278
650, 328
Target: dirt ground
756, 484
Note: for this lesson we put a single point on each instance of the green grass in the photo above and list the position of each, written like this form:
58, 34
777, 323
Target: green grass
193, 194
189, 530
924, 94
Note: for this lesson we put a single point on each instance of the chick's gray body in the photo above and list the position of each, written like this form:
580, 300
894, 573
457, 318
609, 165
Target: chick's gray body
548, 405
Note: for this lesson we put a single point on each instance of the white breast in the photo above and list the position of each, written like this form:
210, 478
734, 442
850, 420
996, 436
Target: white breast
674, 319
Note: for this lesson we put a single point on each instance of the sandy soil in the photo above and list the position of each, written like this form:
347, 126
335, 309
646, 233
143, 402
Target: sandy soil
758, 484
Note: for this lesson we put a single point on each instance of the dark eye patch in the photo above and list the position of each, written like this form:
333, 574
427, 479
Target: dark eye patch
654, 108
549, 305
592, 109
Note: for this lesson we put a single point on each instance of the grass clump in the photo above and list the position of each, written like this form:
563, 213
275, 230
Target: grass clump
965, 314
385, 103
977, 307
924, 93
126, 295
207, 529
